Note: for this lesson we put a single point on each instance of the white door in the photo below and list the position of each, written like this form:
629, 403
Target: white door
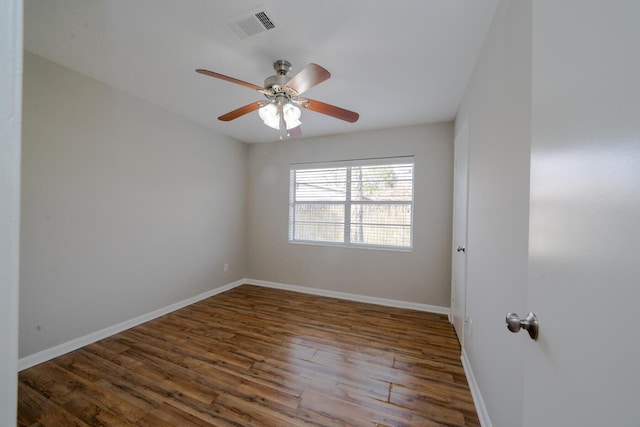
459, 256
584, 252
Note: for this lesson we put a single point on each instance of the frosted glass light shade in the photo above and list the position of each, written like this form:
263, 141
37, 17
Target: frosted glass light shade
291, 116
270, 115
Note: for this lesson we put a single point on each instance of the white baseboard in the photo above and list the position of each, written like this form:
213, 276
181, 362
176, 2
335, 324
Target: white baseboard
481, 409
351, 297
59, 350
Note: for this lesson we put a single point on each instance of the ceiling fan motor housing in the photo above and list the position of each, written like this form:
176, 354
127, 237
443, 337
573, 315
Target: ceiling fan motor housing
276, 82
282, 66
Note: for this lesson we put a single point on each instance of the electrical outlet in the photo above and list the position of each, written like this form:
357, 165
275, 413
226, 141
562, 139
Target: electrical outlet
226, 267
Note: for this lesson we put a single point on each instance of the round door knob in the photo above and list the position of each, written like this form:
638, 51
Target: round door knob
529, 323
513, 322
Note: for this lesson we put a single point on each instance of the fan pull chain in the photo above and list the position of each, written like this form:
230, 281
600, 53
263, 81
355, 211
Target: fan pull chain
283, 125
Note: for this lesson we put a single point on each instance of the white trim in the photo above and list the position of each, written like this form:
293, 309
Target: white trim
11, 49
352, 246
481, 409
372, 161
351, 297
59, 350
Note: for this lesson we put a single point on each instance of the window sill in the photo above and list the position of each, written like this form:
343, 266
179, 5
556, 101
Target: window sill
345, 246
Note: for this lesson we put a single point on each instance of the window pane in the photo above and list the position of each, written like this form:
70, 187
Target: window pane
383, 235
319, 222
381, 213
326, 212
381, 224
319, 232
382, 183
329, 184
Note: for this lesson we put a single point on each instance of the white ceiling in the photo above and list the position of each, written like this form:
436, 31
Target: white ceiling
397, 63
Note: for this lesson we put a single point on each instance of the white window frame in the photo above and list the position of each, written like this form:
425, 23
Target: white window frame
348, 164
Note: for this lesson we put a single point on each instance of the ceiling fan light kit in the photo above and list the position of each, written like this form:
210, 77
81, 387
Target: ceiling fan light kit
282, 110
271, 113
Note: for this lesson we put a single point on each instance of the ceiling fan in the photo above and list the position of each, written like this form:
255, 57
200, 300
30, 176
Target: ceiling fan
281, 109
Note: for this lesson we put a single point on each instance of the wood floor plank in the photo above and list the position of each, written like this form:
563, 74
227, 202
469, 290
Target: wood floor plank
343, 412
440, 409
34, 409
255, 356
98, 404
167, 415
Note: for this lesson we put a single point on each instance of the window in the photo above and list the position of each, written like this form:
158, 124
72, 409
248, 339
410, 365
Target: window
365, 203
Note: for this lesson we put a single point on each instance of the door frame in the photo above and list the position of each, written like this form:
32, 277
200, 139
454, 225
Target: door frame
461, 142
10, 128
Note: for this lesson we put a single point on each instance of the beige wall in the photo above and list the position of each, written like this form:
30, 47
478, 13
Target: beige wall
126, 208
421, 276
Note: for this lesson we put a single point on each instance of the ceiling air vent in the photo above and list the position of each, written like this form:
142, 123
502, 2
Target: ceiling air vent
252, 23
264, 19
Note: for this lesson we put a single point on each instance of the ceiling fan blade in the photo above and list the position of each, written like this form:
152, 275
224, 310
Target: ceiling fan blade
240, 111
331, 110
229, 79
307, 78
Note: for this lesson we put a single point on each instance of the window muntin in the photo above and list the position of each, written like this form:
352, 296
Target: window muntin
367, 203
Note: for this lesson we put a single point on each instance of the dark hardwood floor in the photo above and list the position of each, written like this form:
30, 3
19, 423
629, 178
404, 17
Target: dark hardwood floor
256, 356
